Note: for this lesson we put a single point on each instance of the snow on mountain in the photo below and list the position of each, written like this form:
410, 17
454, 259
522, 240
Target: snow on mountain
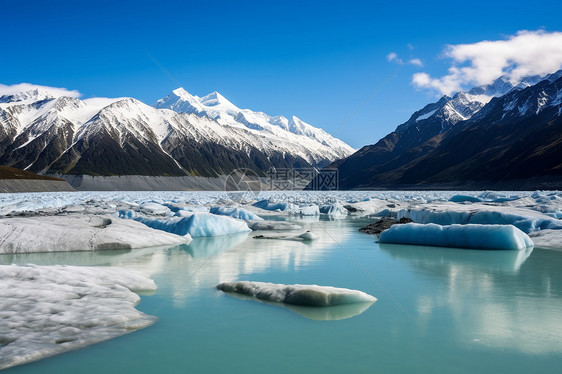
216, 106
463, 105
26, 96
181, 134
513, 129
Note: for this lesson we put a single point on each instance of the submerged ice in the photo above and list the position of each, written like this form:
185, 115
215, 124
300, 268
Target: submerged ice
46, 310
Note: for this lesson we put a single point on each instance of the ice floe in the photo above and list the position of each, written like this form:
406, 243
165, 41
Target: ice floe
235, 212
304, 237
297, 294
452, 213
46, 310
459, 236
79, 233
548, 239
266, 225
197, 224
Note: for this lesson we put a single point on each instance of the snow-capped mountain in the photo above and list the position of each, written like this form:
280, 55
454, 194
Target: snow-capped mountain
180, 135
224, 112
501, 133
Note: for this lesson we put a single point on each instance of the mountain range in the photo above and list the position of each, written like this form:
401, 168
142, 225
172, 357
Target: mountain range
180, 135
502, 135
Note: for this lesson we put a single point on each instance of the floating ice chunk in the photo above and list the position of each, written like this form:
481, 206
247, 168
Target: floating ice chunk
304, 237
459, 236
47, 310
155, 208
334, 210
307, 210
464, 199
235, 212
272, 225
298, 294
370, 207
275, 206
79, 233
308, 236
452, 213
198, 224
549, 239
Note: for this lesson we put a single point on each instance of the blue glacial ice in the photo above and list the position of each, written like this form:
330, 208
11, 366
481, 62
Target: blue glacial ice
197, 224
449, 213
458, 236
235, 212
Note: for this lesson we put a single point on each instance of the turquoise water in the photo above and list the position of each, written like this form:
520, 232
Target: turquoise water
439, 310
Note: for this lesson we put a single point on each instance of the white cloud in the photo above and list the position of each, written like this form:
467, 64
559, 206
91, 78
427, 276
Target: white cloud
54, 91
415, 61
526, 53
393, 57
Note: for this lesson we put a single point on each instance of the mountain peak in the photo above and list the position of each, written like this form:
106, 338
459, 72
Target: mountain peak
215, 99
30, 95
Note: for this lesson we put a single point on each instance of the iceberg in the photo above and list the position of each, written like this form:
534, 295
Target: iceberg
465, 199
458, 236
548, 239
235, 212
266, 225
297, 294
197, 224
47, 310
452, 213
274, 206
79, 233
334, 210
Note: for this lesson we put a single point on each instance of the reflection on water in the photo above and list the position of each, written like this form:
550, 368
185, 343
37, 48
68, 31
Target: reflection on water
430, 257
497, 298
212, 246
469, 311
329, 313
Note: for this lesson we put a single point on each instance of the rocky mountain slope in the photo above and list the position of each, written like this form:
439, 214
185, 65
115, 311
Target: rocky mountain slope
503, 135
180, 135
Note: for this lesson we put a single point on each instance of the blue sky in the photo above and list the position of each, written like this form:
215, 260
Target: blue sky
316, 60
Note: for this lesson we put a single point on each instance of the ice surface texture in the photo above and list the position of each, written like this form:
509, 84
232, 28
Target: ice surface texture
197, 224
235, 212
46, 310
297, 294
79, 233
451, 213
459, 236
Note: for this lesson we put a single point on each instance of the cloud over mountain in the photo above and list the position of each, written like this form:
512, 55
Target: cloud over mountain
527, 53
22, 87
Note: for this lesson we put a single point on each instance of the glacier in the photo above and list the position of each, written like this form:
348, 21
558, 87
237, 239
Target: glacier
298, 294
458, 236
47, 310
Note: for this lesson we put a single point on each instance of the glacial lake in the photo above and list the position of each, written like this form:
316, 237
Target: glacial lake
439, 310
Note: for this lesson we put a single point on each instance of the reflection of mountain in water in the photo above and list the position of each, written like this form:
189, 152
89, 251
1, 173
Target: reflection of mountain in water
495, 298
